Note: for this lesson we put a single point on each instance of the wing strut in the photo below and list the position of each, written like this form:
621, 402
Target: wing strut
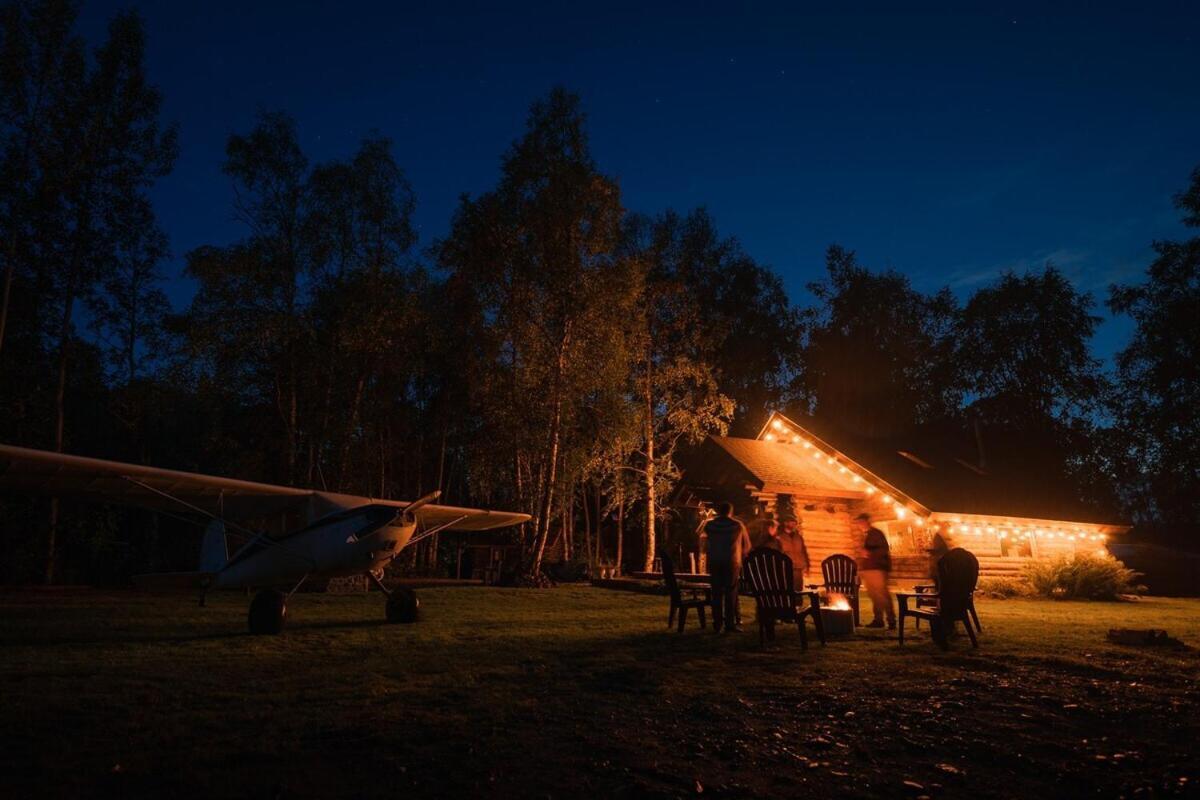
191, 507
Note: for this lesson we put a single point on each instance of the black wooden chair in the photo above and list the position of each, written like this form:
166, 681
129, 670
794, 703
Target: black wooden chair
840, 573
769, 575
698, 598
926, 597
958, 573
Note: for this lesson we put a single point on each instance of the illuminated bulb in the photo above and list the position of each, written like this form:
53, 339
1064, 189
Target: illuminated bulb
1102, 552
770, 437
807, 445
777, 425
842, 470
978, 530
870, 490
886, 498
858, 479
795, 439
990, 529
1104, 537
830, 460
899, 513
816, 454
919, 521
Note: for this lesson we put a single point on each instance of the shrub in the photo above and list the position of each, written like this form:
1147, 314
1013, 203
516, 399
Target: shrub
1003, 588
1085, 577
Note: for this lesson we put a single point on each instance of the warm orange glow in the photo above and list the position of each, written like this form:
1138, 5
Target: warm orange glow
899, 513
777, 425
770, 437
838, 602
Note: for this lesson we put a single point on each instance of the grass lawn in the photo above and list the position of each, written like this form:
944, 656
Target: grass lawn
581, 691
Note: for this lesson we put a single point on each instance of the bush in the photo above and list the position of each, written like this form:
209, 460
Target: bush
1003, 588
1084, 577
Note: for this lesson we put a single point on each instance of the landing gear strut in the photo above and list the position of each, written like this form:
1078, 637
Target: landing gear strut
268, 612
402, 604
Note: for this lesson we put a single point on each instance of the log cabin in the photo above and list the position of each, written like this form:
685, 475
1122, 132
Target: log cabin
1008, 509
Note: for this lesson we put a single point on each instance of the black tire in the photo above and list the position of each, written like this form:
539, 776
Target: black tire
402, 607
268, 613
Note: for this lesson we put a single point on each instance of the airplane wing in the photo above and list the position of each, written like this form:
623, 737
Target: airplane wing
41, 472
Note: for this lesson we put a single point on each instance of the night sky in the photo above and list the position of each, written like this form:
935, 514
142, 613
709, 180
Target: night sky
948, 142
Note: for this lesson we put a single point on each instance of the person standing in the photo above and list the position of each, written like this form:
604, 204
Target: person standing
724, 538
875, 566
769, 533
790, 542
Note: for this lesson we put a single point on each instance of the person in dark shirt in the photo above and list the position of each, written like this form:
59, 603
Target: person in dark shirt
769, 533
875, 565
726, 541
790, 542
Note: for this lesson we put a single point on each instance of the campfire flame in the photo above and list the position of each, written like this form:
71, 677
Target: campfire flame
838, 602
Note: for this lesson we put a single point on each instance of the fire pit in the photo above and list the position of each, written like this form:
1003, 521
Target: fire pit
837, 617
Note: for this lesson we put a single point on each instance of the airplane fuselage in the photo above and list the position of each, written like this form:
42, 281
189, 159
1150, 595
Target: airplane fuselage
350, 542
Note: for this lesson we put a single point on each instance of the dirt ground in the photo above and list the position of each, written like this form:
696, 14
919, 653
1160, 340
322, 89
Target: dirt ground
578, 691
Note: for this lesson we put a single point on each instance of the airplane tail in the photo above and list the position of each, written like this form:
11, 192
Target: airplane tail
214, 551
214, 555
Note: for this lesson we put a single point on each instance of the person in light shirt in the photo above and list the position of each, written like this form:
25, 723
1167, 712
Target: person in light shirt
875, 565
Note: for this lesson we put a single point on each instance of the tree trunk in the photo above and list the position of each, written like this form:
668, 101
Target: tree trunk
599, 527
651, 498
9, 271
60, 396
620, 531
587, 529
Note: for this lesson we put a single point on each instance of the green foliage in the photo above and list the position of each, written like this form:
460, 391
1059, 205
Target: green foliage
1156, 445
1004, 588
1024, 351
879, 353
1083, 577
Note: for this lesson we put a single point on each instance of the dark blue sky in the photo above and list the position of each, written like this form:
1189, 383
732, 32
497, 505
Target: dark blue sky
948, 142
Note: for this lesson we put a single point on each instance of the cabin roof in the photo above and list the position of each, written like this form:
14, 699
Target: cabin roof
940, 469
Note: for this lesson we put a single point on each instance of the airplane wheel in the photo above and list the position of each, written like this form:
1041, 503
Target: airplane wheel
402, 606
268, 612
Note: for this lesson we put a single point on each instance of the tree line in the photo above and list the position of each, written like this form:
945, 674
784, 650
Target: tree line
554, 353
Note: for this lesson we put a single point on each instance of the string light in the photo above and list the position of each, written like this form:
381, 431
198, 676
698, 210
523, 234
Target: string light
770, 437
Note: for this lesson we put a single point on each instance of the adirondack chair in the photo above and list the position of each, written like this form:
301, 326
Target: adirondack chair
769, 575
927, 598
698, 598
840, 573
958, 573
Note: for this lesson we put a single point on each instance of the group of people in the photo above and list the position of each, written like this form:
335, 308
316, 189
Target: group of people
727, 543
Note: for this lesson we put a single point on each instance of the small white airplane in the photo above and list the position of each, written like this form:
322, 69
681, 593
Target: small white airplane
331, 535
